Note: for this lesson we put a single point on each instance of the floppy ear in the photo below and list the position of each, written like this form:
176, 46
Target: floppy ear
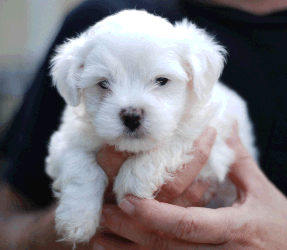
66, 68
204, 58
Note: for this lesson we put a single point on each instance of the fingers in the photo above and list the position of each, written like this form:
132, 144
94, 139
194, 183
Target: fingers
193, 196
105, 241
245, 172
199, 225
184, 177
124, 226
111, 160
112, 241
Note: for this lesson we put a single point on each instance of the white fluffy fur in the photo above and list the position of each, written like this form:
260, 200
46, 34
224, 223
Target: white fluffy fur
131, 49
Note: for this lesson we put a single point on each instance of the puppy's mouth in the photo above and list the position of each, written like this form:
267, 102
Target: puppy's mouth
137, 134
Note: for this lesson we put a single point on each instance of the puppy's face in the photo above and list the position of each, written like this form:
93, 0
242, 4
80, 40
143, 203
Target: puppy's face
136, 82
136, 94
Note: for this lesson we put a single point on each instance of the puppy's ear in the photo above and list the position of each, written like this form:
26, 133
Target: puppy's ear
66, 68
203, 57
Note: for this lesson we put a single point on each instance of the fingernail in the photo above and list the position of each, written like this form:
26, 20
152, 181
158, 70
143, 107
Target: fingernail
127, 207
98, 247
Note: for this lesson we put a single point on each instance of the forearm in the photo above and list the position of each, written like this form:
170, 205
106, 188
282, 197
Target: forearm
20, 229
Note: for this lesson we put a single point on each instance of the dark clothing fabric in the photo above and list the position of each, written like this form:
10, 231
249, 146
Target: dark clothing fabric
256, 68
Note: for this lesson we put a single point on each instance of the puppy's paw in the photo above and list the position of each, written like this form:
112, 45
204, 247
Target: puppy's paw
134, 186
77, 225
138, 183
221, 158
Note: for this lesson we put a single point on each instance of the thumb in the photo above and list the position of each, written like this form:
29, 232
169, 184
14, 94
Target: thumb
198, 225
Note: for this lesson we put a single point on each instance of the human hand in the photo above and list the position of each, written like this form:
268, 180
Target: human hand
257, 220
184, 190
35, 230
21, 228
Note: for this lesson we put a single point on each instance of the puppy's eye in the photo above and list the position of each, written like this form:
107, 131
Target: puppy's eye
104, 84
161, 81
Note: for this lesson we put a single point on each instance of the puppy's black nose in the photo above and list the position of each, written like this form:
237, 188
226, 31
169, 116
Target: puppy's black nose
132, 117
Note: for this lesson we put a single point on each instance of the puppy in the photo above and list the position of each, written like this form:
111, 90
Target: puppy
135, 81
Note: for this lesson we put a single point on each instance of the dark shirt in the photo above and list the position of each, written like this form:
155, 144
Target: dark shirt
256, 68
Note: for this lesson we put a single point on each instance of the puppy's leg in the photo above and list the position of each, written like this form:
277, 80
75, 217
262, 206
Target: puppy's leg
221, 193
144, 174
220, 158
82, 185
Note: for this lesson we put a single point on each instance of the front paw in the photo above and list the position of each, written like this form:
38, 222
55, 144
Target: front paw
77, 224
139, 184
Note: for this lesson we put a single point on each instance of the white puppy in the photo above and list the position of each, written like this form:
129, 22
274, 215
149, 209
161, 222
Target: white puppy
135, 81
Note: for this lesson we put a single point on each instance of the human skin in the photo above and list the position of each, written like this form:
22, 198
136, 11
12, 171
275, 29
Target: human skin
19, 229
35, 230
257, 219
183, 190
259, 203
255, 192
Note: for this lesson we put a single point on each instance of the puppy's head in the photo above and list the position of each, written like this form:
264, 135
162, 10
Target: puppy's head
136, 74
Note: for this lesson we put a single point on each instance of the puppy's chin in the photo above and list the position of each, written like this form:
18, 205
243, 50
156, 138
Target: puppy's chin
135, 143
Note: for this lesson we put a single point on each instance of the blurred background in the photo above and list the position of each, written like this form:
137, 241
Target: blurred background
27, 29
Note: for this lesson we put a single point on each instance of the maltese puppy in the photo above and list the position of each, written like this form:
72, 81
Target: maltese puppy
135, 81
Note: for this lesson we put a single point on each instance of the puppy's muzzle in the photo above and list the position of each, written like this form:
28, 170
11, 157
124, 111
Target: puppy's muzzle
132, 117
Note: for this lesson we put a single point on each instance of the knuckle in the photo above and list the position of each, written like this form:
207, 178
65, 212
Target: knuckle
203, 143
118, 227
192, 196
176, 189
202, 155
172, 190
248, 233
156, 242
185, 227
243, 154
148, 216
